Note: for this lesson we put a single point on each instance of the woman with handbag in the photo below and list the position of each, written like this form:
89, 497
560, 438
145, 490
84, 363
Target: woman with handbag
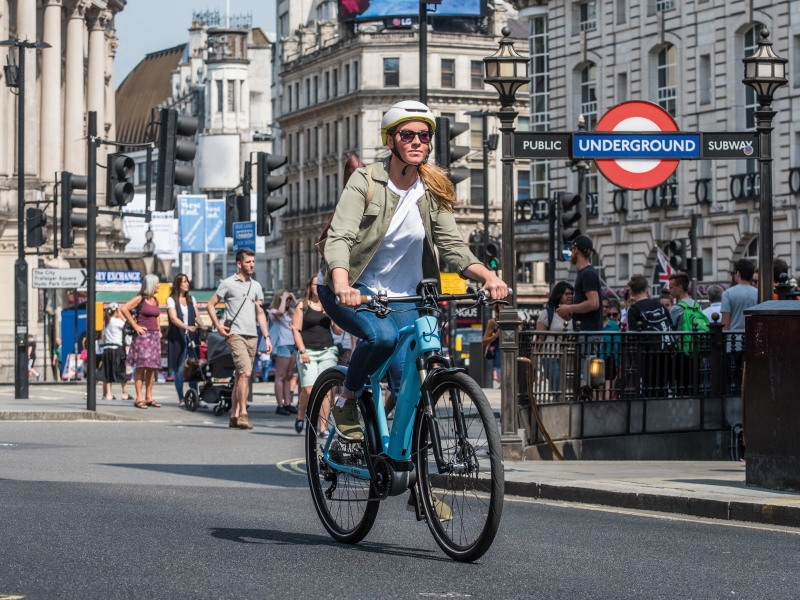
145, 353
183, 324
284, 351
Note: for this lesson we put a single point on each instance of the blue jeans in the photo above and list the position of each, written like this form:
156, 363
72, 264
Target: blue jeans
179, 378
377, 339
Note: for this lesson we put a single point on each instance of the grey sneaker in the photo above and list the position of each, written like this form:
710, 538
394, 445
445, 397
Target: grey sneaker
347, 424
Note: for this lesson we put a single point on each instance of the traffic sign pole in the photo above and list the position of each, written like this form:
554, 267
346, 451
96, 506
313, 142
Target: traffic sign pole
91, 263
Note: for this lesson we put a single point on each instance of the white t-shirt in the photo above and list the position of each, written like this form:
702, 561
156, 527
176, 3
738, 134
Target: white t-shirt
397, 264
285, 336
112, 333
558, 322
184, 312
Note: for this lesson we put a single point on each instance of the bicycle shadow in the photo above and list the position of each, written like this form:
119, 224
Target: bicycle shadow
288, 538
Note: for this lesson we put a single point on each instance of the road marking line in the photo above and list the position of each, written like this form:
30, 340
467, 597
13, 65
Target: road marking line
291, 465
5, 597
663, 517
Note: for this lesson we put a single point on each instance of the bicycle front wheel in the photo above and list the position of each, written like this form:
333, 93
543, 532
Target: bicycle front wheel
463, 506
346, 504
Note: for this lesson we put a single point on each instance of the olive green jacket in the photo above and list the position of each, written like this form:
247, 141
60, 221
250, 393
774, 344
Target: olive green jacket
356, 233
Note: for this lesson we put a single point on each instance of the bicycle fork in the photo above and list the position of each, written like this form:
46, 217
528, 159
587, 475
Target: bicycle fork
435, 441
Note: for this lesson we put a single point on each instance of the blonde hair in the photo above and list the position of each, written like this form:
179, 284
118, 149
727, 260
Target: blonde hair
276, 299
439, 185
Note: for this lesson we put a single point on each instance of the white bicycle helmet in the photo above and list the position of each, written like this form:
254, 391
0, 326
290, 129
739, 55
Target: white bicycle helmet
407, 110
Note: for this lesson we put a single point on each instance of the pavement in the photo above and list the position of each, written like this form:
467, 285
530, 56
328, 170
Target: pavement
701, 489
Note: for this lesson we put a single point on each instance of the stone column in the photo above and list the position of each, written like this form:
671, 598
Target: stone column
6, 148
26, 30
74, 103
96, 80
111, 105
50, 141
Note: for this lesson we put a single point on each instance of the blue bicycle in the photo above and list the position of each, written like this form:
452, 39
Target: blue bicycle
443, 445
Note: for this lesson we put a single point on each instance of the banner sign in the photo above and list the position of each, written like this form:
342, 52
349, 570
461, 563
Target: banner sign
215, 225
118, 281
192, 223
69, 279
636, 145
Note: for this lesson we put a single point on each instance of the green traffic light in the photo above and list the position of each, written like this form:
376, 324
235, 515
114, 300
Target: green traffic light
493, 264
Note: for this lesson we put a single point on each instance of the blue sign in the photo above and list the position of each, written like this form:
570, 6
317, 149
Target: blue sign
192, 223
215, 225
244, 236
120, 277
663, 146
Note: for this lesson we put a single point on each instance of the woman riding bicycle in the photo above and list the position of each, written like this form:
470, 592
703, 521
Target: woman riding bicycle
385, 241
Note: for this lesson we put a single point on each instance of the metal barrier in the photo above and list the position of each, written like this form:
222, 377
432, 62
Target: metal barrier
638, 365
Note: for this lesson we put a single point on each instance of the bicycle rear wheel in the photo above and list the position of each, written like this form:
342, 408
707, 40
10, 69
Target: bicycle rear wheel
346, 504
473, 491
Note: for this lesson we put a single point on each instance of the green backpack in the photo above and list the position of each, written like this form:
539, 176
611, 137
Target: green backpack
693, 320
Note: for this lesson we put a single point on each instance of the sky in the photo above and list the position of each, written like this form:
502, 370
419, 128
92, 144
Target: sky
149, 25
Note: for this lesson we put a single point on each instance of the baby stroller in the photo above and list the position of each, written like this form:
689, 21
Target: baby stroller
219, 365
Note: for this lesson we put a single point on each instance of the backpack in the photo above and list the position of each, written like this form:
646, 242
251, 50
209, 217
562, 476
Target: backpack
693, 320
350, 166
658, 319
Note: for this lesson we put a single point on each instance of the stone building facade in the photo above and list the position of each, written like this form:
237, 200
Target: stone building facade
333, 83
63, 82
687, 57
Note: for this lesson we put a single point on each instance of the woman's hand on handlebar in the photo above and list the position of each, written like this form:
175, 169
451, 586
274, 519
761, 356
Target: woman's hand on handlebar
348, 296
495, 286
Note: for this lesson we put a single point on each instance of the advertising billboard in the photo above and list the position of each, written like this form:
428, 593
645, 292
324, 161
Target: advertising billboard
378, 9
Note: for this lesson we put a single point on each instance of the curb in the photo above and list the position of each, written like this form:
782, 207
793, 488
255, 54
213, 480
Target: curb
766, 513
51, 415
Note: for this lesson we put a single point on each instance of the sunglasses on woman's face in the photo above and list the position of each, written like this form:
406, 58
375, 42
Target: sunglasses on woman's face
407, 136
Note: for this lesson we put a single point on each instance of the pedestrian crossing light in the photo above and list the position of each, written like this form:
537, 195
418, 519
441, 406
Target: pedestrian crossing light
677, 255
173, 155
493, 251
446, 153
266, 203
568, 216
36, 226
119, 172
70, 201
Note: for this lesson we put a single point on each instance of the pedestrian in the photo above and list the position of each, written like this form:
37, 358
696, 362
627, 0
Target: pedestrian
491, 342
31, 347
112, 362
611, 343
666, 300
145, 351
686, 316
284, 350
243, 297
184, 321
679, 293
779, 267
738, 298
623, 313
549, 345
312, 336
56, 360
715, 302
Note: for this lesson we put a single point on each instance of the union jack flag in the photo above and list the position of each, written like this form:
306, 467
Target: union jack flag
664, 268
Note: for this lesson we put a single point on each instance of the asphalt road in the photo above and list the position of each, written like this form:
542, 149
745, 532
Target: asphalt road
195, 510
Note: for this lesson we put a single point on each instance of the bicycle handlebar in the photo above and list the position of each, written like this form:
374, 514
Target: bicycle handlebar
477, 295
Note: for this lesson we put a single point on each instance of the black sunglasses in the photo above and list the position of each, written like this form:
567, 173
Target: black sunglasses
407, 136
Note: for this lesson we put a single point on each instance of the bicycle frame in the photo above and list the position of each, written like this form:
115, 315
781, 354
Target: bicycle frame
396, 444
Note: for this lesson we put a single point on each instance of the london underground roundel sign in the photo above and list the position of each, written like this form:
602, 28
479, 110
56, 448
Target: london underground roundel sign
637, 174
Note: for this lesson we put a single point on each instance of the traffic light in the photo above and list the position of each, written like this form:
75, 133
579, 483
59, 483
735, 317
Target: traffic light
677, 258
568, 217
172, 149
447, 154
69, 201
267, 204
237, 209
494, 250
35, 224
699, 260
476, 245
119, 189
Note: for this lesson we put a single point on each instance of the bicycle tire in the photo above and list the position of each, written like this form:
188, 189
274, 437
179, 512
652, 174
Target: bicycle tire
472, 529
344, 524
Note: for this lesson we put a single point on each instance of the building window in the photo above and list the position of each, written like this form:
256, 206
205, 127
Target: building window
540, 75
391, 72
662, 5
476, 74
347, 133
335, 187
622, 87
589, 96
592, 197
336, 137
476, 187
289, 97
540, 172
220, 97
308, 92
750, 103
327, 138
476, 131
588, 16
448, 73
666, 79
232, 96
356, 133
335, 83
356, 77
622, 11
297, 95
327, 85
523, 185
523, 123
316, 89
308, 144
347, 79
289, 147
624, 267
704, 77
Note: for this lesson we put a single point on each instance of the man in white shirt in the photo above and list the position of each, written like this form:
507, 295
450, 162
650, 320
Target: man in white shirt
715, 306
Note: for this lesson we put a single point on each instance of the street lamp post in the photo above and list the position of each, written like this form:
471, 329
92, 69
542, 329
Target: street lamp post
507, 72
765, 72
